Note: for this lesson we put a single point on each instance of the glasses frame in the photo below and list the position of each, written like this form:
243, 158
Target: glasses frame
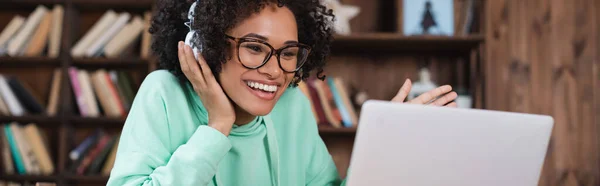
272, 52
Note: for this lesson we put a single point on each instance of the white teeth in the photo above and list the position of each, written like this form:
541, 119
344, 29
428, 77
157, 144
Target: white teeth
267, 88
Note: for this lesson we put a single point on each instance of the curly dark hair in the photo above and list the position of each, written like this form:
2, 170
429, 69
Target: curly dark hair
215, 17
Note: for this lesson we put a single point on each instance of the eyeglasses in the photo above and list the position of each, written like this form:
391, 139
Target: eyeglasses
255, 53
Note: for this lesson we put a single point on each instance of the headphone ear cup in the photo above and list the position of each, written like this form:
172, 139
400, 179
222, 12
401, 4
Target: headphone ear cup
188, 41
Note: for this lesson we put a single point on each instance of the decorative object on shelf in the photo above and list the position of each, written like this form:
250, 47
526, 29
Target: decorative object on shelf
423, 85
427, 17
360, 98
343, 15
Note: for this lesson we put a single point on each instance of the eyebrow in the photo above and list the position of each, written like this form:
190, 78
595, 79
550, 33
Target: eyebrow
267, 39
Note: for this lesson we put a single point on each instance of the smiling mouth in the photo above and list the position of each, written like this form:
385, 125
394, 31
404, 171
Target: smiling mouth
262, 87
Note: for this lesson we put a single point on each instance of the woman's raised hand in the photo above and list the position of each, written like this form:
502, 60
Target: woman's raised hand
220, 110
441, 96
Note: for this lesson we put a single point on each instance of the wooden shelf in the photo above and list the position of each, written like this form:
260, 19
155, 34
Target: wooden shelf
41, 120
397, 43
29, 4
106, 4
327, 130
79, 121
29, 178
110, 63
29, 62
85, 178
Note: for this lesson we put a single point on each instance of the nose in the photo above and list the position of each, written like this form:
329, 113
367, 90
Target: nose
271, 68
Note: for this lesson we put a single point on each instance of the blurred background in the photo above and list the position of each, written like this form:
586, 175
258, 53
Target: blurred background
69, 70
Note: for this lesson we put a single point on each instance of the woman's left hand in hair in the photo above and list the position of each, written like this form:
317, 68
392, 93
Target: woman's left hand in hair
441, 96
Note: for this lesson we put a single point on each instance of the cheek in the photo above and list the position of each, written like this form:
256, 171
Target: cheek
230, 76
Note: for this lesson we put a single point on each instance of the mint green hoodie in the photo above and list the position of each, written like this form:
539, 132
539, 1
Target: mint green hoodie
166, 141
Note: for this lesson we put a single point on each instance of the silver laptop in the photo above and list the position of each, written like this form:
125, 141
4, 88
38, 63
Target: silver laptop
416, 145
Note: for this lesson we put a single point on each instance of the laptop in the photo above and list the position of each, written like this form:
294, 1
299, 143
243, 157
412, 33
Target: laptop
418, 145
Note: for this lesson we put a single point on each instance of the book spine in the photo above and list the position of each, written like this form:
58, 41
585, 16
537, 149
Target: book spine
97, 162
7, 160
55, 33
16, 154
87, 161
346, 120
84, 146
39, 149
28, 156
115, 95
16, 109
80, 99
54, 93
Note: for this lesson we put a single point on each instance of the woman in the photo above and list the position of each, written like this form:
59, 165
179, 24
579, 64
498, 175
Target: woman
234, 116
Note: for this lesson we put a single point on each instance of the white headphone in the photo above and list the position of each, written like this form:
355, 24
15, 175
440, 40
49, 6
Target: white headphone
197, 48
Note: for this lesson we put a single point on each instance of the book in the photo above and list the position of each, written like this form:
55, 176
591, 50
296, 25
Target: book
52, 105
39, 39
56, 31
346, 120
110, 160
15, 108
14, 149
9, 31
3, 108
114, 94
78, 94
124, 38
95, 49
331, 112
94, 152
146, 36
102, 90
125, 83
99, 27
120, 90
96, 163
34, 137
7, 159
84, 146
316, 102
21, 39
25, 96
88, 93
28, 156
343, 91
304, 88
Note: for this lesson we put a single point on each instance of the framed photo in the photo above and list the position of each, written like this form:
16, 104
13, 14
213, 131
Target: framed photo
428, 17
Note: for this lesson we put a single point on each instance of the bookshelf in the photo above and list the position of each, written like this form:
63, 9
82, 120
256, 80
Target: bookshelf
383, 49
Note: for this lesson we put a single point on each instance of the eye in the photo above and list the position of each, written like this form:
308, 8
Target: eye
254, 48
289, 54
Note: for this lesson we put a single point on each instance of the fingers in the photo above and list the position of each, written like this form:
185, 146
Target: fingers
403, 92
429, 96
193, 73
206, 72
182, 60
453, 104
445, 99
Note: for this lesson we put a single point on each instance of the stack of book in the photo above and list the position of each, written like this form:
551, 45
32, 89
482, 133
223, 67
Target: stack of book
18, 99
113, 34
24, 150
95, 155
37, 35
102, 92
331, 102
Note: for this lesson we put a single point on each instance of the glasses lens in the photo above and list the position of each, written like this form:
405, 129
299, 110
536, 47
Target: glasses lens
292, 58
252, 54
